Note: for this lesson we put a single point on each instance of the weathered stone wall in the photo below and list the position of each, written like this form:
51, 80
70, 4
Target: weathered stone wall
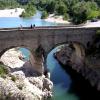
48, 37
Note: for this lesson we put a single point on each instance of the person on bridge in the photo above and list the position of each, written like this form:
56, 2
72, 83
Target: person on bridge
31, 26
34, 26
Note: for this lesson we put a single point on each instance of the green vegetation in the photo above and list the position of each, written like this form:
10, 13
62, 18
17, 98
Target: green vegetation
78, 11
66, 16
29, 11
13, 78
98, 32
44, 15
3, 70
8, 4
7, 97
20, 87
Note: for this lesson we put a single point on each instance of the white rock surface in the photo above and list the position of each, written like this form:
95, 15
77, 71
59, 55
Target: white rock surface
29, 88
11, 12
56, 19
92, 24
20, 84
11, 58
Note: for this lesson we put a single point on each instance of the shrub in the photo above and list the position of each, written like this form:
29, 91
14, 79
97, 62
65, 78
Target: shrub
8, 97
65, 17
30, 10
20, 87
13, 78
44, 15
3, 70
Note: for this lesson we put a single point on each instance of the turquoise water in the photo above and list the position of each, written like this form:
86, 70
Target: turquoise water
25, 52
60, 78
6, 22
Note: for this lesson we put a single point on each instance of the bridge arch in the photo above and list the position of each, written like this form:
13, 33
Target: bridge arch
67, 43
11, 47
36, 64
77, 56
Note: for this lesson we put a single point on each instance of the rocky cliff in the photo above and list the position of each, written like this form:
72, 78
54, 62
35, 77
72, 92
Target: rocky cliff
73, 56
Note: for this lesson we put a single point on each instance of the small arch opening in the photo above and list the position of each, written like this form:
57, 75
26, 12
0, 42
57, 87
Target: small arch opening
15, 57
19, 59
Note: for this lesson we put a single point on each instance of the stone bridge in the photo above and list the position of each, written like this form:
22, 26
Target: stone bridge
47, 37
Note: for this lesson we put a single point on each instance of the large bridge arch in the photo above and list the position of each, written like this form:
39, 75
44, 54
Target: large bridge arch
66, 43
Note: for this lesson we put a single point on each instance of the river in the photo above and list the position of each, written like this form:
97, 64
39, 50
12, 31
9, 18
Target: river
9, 22
60, 78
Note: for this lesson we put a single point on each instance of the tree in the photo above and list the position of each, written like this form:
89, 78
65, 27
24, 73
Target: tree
66, 16
44, 15
83, 11
70, 4
62, 9
51, 7
30, 10
42, 4
79, 13
8, 4
92, 10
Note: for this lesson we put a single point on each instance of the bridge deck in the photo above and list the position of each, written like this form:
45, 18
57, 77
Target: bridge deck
47, 27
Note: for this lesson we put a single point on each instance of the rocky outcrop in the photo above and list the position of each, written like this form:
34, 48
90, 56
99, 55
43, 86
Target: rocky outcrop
74, 56
23, 88
22, 82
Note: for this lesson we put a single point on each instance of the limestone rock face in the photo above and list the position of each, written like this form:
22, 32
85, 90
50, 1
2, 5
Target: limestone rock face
25, 88
72, 55
47, 84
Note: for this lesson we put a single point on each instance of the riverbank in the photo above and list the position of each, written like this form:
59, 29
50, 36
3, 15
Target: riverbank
92, 24
11, 12
59, 19
56, 19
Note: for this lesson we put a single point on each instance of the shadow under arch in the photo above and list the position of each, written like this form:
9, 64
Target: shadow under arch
71, 44
65, 43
